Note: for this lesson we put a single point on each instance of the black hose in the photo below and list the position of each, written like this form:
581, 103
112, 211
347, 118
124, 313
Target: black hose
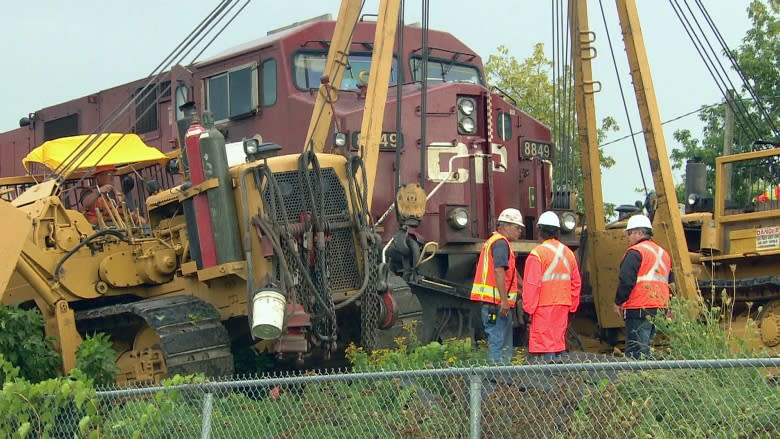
284, 268
121, 234
317, 200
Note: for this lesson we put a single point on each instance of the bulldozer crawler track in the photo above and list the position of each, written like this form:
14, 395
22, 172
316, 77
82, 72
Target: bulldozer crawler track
761, 288
191, 334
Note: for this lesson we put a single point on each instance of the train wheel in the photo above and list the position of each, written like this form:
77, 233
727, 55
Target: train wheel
452, 323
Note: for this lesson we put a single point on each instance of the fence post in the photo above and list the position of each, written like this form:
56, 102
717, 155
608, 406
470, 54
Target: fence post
208, 403
475, 399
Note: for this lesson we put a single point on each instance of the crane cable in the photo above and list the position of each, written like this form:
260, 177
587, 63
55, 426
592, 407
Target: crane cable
569, 122
399, 100
75, 158
559, 129
87, 147
674, 119
714, 66
424, 90
735, 66
563, 105
712, 62
623, 98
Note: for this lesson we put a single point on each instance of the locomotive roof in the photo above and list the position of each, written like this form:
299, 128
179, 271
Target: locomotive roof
322, 22
253, 44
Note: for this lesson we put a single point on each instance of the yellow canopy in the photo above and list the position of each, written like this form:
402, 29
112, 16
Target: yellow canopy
107, 149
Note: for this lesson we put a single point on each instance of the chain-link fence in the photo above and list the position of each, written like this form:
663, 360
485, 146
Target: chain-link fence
575, 397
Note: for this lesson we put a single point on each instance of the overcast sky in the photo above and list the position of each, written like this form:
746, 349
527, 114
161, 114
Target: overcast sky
55, 50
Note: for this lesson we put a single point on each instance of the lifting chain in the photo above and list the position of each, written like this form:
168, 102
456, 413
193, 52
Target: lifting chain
301, 281
370, 305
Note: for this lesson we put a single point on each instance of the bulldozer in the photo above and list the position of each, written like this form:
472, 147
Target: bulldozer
277, 253
289, 259
733, 237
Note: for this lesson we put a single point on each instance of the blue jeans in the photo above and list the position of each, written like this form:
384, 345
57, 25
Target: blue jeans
639, 333
499, 336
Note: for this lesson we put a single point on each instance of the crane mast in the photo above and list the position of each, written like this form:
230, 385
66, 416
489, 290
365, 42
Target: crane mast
601, 276
378, 78
335, 65
667, 211
668, 226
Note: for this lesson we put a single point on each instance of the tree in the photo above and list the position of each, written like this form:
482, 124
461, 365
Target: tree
757, 57
533, 84
528, 82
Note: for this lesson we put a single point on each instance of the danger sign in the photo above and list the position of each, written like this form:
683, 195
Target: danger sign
767, 238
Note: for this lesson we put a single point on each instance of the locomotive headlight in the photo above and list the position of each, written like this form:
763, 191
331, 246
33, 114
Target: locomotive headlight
467, 125
466, 106
458, 218
466, 112
568, 221
340, 139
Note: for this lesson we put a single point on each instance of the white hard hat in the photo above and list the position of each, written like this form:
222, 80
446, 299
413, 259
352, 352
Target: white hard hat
549, 219
639, 222
511, 216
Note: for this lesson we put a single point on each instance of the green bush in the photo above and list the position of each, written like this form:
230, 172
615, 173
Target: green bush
685, 403
653, 403
697, 331
58, 407
22, 342
97, 359
411, 354
168, 413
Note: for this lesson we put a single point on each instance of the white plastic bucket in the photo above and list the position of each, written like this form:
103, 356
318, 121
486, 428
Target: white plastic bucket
268, 314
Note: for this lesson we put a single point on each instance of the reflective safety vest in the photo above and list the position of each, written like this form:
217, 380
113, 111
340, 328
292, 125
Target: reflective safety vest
652, 279
484, 288
557, 263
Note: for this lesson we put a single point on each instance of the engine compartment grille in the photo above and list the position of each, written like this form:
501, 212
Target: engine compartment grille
340, 251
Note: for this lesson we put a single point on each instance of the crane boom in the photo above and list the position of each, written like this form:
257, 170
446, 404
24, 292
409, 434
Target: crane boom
602, 276
667, 209
378, 78
609, 244
336, 63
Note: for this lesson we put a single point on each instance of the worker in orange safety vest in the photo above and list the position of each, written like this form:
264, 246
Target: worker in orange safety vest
768, 195
551, 291
643, 286
496, 285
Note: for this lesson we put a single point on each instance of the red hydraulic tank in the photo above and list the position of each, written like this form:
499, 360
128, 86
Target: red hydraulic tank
208, 250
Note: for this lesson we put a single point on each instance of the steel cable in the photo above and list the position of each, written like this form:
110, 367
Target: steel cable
75, 159
746, 123
623, 98
726, 81
735, 65
72, 163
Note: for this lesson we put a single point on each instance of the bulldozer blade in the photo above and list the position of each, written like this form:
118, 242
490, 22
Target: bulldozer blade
17, 226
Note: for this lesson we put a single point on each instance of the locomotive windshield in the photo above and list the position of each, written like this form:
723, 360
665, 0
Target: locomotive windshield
445, 71
308, 68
